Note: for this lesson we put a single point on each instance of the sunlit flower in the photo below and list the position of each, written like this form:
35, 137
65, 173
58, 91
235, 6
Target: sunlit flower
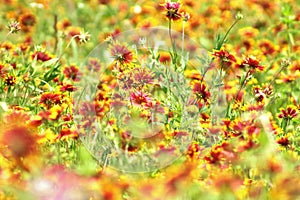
121, 54
289, 113
72, 72
49, 99
68, 87
267, 47
142, 77
140, 98
284, 141
201, 91
225, 58
164, 57
193, 150
41, 56
73, 32
18, 137
252, 63
67, 133
172, 10
52, 113
10, 80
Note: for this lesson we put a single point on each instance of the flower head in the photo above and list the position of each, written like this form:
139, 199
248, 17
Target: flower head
121, 54
172, 10
84, 37
72, 72
14, 27
201, 91
41, 56
225, 57
27, 21
252, 63
289, 113
140, 98
48, 99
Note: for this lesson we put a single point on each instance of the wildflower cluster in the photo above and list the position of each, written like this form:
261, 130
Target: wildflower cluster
206, 108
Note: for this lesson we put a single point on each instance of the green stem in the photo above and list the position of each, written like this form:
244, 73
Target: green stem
174, 53
225, 37
243, 84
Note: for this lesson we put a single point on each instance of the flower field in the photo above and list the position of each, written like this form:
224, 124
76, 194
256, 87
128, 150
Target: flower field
110, 99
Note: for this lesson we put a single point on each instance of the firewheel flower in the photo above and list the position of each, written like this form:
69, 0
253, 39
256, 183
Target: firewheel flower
289, 113
27, 21
17, 137
226, 58
140, 98
201, 91
172, 10
121, 54
252, 63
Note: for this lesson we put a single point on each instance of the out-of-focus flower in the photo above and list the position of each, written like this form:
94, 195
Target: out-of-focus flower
72, 72
164, 57
67, 133
248, 32
14, 27
41, 56
93, 64
285, 186
27, 21
18, 138
19, 141
6, 45
185, 16
63, 24
267, 47
193, 150
84, 37
3, 70
73, 32
295, 66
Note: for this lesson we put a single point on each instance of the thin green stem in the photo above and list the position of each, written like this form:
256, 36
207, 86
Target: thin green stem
174, 53
243, 84
232, 25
